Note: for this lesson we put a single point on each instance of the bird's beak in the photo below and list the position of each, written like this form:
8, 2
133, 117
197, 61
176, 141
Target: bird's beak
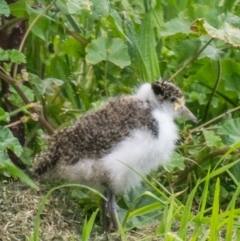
184, 111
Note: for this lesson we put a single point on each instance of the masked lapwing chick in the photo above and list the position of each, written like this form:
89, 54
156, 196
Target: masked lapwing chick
101, 150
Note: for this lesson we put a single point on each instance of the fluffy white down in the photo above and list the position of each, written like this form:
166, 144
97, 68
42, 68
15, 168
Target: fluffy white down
142, 152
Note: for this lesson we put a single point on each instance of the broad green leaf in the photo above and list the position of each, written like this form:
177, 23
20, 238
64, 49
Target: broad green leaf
3, 55
8, 141
73, 48
36, 84
4, 8
41, 27
18, 9
188, 49
107, 49
48, 85
232, 83
75, 6
235, 170
212, 140
16, 99
115, 23
16, 57
147, 47
4, 116
231, 130
134, 51
226, 32
99, 8
3, 157
177, 161
175, 26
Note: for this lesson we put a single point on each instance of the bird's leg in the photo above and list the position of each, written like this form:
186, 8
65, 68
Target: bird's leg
109, 209
105, 222
113, 209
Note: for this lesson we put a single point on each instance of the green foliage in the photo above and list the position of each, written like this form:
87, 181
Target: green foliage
4, 8
87, 224
106, 49
77, 53
8, 141
13, 56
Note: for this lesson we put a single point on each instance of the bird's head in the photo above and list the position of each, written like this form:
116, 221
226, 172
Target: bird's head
171, 96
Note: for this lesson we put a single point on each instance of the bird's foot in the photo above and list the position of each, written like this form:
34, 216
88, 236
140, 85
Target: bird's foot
110, 210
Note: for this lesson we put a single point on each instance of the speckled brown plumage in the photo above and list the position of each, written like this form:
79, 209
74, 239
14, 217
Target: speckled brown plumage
165, 90
96, 133
102, 148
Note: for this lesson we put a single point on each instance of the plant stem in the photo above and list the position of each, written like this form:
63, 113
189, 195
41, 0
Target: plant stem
27, 33
77, 37
214, 89
11, 82
214, 119
190, 61
183, 175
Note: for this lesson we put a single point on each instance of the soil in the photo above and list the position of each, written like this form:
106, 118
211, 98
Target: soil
19, 203
61, 218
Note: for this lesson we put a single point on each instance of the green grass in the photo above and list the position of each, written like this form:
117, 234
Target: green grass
189, 221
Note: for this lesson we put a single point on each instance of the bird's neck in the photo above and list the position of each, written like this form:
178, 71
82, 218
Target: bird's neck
145, 93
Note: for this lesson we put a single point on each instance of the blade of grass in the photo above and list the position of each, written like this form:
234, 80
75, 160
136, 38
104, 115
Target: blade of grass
42, 204
88, 225
233, 148
215, 211
232, 215
144, 210
131, 214
220, 170
15, 171
202, 206
186, 216
121, 229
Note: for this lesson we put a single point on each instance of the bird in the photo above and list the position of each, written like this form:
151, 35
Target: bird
107, 149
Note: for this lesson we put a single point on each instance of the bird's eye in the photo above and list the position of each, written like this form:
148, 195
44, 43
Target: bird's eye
173, 99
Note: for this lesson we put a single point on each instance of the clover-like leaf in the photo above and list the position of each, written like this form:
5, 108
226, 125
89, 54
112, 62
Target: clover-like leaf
108, 49
212, 139
16, 57
177, 161
231, 131
4, 9
226, 32
8, 141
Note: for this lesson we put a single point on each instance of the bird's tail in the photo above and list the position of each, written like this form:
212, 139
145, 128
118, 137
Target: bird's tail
44, 162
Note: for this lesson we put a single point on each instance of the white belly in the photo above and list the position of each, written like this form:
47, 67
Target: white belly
142, 152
